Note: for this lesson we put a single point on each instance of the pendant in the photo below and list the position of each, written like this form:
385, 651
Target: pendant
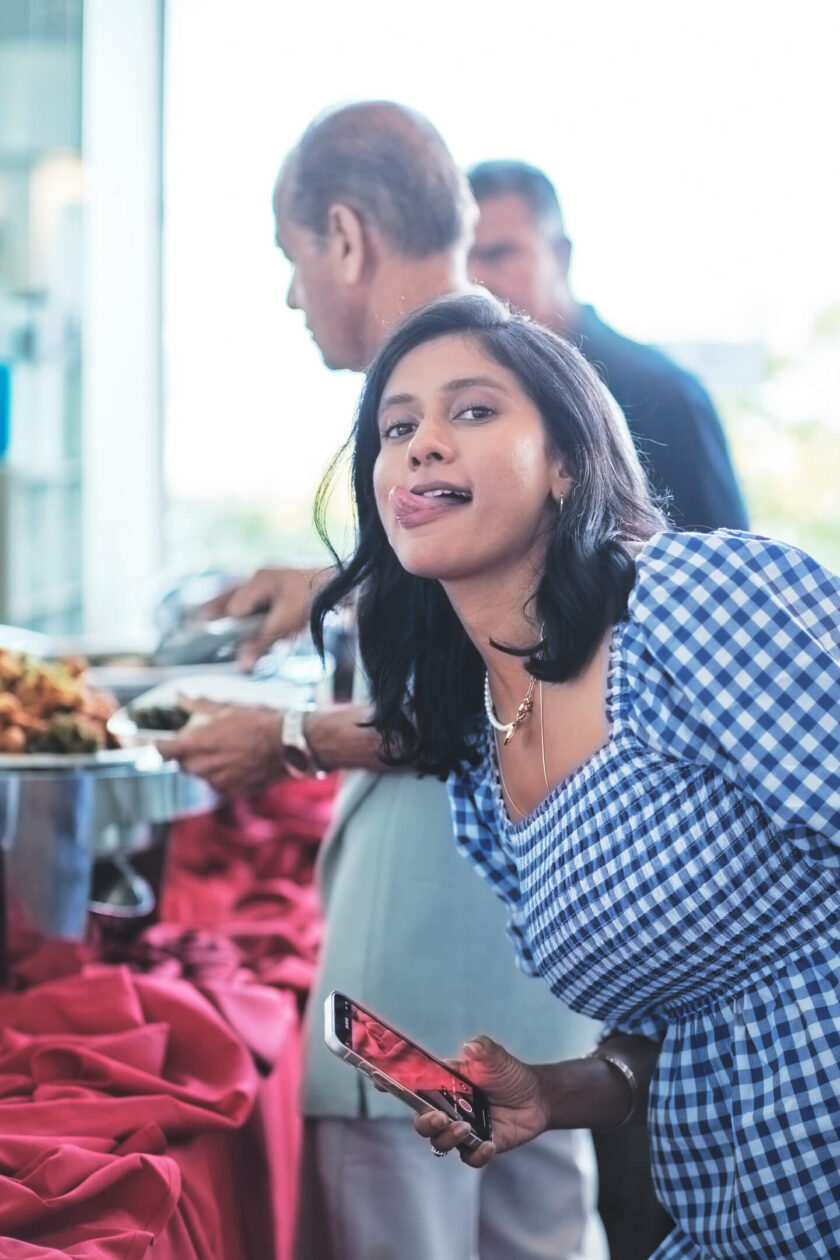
521, 713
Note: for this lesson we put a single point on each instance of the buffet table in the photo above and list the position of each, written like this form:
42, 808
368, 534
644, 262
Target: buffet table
148, 1089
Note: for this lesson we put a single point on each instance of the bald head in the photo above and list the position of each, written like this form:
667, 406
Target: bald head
389, 165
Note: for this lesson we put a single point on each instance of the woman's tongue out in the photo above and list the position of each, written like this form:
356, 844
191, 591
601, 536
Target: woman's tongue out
413, 507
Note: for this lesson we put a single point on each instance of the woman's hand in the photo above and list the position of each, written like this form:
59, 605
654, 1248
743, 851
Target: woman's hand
526, 1099
519, 1111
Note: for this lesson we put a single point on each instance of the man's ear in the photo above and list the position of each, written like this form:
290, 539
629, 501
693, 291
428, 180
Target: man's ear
563, 253
346, 242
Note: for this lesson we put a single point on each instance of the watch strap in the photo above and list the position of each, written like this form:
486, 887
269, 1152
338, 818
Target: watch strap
299, 760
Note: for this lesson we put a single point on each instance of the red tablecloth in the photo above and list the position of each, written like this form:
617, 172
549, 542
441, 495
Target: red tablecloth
155, 1101
114, 1092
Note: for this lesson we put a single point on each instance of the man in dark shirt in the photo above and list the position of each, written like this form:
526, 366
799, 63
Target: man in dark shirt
522, 254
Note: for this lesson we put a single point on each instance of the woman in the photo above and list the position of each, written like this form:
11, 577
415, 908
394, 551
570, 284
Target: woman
641, 731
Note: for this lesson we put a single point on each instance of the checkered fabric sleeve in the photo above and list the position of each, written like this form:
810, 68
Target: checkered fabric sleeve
735, 661
480, 842
650, 1025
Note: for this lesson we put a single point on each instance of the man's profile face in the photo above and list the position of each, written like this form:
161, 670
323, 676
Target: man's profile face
515, 257
315, 288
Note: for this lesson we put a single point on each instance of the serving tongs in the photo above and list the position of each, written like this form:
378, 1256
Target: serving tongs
206, 642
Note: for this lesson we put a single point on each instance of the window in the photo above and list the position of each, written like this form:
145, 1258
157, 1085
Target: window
690, 147
41, 294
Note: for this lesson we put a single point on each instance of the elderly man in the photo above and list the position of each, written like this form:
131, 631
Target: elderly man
376, 221
522, 254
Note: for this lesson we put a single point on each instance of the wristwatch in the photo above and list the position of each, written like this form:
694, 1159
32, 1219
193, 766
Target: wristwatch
299, 759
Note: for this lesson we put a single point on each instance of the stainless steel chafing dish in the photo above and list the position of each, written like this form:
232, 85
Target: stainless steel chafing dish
61, 814
69, 824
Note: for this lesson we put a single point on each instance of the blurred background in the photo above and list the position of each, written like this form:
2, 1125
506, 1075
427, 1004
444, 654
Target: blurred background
162, 412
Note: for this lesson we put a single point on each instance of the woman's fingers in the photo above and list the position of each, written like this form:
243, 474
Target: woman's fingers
447, 1135
428, 1123
479, 1158
444, 1133
485, 1058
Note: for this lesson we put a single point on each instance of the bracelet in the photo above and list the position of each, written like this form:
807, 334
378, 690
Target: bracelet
630, 1077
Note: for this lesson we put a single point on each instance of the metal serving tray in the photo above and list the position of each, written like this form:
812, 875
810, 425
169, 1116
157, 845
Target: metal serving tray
58, 817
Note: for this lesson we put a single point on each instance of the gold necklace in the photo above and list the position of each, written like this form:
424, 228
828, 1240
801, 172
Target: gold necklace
542, 740
505, 789
525, 707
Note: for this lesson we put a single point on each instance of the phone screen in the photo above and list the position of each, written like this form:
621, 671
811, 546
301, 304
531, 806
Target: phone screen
389, 1052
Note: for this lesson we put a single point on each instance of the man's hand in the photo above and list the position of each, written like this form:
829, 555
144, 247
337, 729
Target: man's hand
236, 748
287, 593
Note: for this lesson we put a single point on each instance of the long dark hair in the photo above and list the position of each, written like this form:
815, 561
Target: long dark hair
425, 675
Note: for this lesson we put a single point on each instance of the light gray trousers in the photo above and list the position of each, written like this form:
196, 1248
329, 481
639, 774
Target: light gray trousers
373, 1190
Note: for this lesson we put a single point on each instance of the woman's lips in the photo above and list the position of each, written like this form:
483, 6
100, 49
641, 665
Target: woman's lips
412, 510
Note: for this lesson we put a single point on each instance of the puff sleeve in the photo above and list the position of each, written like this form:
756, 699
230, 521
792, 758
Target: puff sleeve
734, 660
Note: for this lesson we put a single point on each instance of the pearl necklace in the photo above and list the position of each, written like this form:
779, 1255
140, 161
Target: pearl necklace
508, 729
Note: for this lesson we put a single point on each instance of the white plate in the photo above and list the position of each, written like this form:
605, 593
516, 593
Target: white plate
130, 736
222, 688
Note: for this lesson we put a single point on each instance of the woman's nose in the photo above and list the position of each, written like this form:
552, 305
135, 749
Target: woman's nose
429, 444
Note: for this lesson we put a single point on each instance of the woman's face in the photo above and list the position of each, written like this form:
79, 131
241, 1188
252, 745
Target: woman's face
466, 483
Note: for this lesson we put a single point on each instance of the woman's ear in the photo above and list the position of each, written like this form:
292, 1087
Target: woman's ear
346, 242
561, 483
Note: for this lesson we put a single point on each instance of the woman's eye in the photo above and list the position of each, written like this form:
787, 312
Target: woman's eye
398, 429
477, 412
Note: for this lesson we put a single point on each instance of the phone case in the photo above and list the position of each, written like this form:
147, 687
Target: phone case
378, 1078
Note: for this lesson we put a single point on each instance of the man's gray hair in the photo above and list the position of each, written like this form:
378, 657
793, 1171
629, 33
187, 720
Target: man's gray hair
388, 164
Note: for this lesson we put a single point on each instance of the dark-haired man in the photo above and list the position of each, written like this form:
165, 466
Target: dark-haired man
521, 253
376, 220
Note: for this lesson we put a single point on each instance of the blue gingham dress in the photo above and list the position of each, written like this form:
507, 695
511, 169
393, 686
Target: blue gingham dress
684, 883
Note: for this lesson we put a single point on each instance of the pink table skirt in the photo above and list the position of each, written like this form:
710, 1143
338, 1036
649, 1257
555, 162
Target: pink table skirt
150, 1099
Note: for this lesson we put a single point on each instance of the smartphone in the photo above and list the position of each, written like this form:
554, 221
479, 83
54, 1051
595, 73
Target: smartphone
398, 1065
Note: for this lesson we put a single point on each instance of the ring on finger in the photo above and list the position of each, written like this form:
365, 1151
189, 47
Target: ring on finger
437, 1151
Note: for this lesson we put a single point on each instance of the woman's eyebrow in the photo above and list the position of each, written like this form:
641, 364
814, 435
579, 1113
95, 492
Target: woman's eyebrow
470, 382
451, 387
396, 400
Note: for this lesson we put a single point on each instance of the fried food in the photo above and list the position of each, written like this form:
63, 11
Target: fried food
48, 707
159, 717
13, 739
